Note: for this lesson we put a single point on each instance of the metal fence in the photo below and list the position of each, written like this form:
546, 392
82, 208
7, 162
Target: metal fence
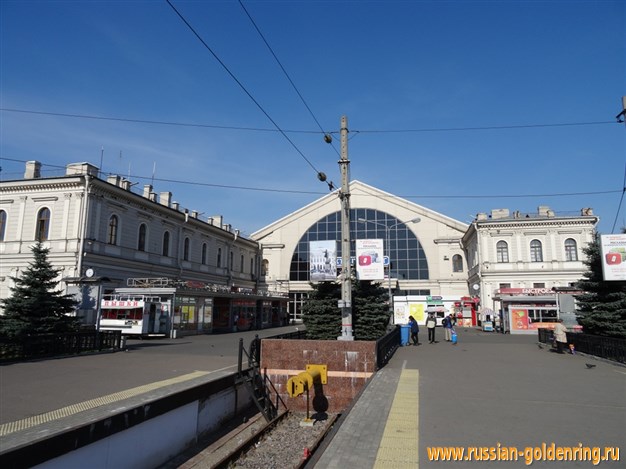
604, 347
49, 345
386, 346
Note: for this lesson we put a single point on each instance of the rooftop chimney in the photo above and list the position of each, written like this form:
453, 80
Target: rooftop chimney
165, 198
33, 170
147, 189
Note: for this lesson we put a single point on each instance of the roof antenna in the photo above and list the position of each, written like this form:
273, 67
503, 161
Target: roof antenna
153, 171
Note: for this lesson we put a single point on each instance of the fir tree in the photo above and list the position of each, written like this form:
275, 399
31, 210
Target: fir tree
320, 313
602, 308
36, 305
370, 310
322, 316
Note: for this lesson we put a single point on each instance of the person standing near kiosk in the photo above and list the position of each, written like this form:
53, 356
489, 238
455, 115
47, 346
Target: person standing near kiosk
431, 323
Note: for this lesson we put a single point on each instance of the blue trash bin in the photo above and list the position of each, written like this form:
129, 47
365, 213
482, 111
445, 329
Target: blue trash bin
405, 334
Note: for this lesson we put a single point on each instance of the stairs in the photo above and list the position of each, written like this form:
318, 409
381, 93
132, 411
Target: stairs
259, 385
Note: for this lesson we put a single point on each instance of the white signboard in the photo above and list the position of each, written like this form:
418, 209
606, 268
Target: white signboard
614, 256
369, 255
323, 260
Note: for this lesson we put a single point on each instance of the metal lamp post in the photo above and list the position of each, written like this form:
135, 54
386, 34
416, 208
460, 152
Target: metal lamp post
387, 242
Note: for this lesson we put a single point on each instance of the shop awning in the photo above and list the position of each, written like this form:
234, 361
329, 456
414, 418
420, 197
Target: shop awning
436, 309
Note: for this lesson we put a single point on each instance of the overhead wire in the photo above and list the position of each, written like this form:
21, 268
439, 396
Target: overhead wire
245, 90
258, 129
258, 30
410, 196
619, 207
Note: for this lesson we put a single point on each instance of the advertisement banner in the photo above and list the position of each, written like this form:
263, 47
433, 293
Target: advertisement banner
323, 260
369, 256
613, 256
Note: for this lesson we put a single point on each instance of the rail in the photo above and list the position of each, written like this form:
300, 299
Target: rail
610, 348
69, 343
386, 346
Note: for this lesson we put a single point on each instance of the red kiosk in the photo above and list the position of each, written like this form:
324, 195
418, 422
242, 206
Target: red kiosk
466, 311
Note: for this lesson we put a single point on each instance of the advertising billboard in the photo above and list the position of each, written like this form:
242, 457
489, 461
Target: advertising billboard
369, 255
323, 260
613, 256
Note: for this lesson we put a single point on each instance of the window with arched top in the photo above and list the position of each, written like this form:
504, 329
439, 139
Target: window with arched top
265, 266
186, 246
536, 251
3, 224
571, 250
241, 264
219, 257
165, 250
457, 263
112, 230
502, 251
252, 265
232, 260
204, 253
407, 259
141, 238
43, 224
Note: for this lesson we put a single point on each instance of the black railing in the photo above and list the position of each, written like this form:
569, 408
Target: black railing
51, 345
604, 347
386, 346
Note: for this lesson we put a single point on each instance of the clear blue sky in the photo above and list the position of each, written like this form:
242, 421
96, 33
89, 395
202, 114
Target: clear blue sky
389, 66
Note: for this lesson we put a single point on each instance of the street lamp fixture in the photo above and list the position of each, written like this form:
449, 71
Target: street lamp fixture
387, 236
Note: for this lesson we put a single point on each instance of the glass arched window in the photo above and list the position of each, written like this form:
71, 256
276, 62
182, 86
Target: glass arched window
165, 250
204, 252
457, 263
186, 249
43, 224
571, 250
502, 251
241, 263
3, 224
219, 257
408, 260
141, 239
265, 265
252, 265
536, 252
232, 260
112, 232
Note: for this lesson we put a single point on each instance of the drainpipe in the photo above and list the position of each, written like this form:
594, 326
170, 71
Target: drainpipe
83, 228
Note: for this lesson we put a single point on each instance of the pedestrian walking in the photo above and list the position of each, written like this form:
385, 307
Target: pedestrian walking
447, 327
431, 323
414, 330
560, 336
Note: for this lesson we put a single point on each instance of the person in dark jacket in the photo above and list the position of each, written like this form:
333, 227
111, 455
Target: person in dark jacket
414, 330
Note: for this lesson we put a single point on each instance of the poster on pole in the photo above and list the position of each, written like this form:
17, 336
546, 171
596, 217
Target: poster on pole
613, 256
323, 261
369, 255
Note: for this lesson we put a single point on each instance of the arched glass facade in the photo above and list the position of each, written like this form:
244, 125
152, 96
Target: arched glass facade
408, 261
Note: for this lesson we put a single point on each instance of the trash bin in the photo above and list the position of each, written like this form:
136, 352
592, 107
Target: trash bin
405, 334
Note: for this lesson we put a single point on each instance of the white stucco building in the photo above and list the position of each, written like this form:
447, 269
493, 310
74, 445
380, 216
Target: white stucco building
102, 236
517, 261
426, 256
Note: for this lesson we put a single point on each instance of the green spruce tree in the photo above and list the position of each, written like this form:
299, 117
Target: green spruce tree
322, 316
36, 305
370, 310
602, 308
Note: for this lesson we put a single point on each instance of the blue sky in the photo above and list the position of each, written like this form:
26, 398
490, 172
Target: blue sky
407, 74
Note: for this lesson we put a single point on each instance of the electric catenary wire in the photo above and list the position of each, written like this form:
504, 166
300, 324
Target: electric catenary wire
241, 86
413, 196
258, 129
258, 30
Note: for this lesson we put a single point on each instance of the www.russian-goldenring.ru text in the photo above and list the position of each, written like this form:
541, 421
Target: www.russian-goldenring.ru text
544, 452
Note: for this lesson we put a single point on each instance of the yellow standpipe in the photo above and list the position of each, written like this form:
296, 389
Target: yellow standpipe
304, 381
